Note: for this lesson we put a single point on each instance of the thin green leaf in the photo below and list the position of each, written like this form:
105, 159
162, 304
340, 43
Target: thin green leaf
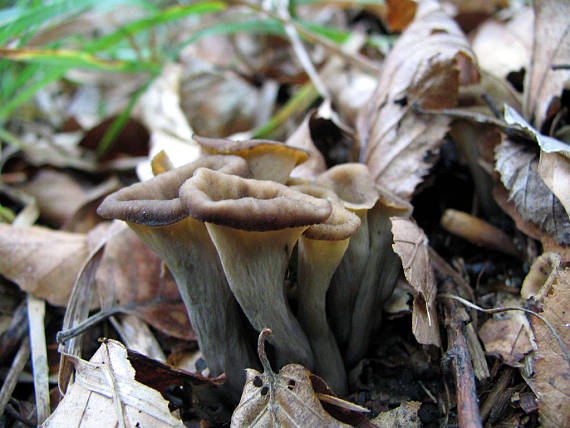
50, 75
262, 26
36, 16
171, 14
69, 59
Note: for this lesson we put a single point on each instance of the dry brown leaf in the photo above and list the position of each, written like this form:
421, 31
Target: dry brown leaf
551, 48
554, 169
400, 13
501, 196
41, 261
302, 139
105, 393
131, 274
286, 399
403, 416
502, 48
426, 67
410, 243
551, 369
534, 201
507, 338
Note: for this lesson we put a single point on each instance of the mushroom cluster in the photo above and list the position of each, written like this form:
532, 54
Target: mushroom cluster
226, 226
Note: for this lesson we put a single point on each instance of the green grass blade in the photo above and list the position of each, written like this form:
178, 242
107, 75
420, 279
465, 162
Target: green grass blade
77, 59
170, 14
36, 16
50, 75
262, 26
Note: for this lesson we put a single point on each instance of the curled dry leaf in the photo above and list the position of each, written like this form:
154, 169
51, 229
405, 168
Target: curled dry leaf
105, 393
551, 48
132, 275
41, 261
427, 65
551, 369
410, 243
161, 112
286, 399
518, 167
302, 139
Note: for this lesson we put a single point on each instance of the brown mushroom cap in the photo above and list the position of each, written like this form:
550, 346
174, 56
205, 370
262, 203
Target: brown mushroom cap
267, 160
353, 183
341, 224
249, 204
155, 202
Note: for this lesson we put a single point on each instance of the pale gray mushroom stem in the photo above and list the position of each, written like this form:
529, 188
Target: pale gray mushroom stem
320, 250
354, 185
380, 275
153, 210
254, 225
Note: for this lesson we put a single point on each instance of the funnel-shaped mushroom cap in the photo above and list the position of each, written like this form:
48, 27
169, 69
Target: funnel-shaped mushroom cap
155, 202
353, 183
153, 210
254, 225
320, 250
267, 160
249, 204
355, 186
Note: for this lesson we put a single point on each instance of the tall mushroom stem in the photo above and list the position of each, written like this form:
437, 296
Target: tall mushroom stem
254, 225
320, 250
380, 275
261, 258
355, 186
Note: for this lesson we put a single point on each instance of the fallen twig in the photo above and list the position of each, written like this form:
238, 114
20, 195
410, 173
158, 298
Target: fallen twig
458, 351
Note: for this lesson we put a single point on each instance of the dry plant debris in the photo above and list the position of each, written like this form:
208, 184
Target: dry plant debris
384, 185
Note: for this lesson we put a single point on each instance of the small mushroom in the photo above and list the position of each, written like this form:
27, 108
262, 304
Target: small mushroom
320, 250
382, 269
254, 225
154, 211
355, 186
267, 160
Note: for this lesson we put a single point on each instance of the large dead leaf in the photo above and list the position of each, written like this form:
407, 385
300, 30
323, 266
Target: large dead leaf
286, 399
410, 243
42, 261
133, 276
105, 393
551, 48
426, 67
551, 368
534, 201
